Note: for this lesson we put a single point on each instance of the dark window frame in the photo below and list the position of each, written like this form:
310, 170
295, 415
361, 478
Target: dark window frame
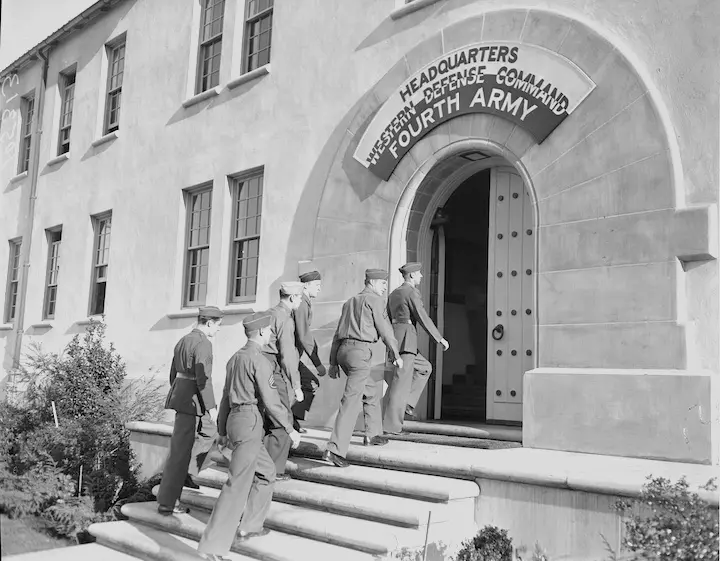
193, 252
255, 17
116, 53
54, 238
100, 263
210, 45
249, 237
67, 100
26, 133
13, 280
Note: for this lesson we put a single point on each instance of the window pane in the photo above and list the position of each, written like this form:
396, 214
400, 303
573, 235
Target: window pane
98, 306
246, 267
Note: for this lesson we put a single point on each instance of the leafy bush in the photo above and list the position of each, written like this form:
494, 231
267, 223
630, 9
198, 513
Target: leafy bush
675, 524
34, 491
490, 544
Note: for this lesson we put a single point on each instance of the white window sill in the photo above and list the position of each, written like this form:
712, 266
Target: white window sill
207, 94
249, 77
19, 177
414, 6
6, 327
237, 310
228, 311
47, 324
60, 158
89, 320
103, 139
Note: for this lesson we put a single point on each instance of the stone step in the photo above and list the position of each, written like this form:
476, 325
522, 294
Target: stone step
139, 541
371, 536
85, 552
276, 546
463, 441
465, 429
411, 485
385, 508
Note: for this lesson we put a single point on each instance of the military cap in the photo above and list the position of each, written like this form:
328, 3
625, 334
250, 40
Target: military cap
291, 288
373, 274
311, 276
411, 267
257, 321
212, 312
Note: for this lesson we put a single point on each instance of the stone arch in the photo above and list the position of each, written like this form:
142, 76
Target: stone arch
607, 188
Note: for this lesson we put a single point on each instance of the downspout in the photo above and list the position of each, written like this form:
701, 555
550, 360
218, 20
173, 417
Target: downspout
30, 216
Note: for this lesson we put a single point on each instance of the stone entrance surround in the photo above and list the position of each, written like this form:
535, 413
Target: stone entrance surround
614, 239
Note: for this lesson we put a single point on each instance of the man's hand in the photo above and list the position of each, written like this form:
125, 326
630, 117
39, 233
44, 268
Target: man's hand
315, 387
445, 344
213, 414
321, 370
295, 438
223, 441
299, 395
398, 362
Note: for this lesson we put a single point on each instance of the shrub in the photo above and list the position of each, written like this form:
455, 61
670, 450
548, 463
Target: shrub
490, 544
34, 491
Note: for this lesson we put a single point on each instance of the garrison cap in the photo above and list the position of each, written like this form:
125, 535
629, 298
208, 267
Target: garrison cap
411, 267
257, 321
291, 288
311, 276
212, 312
373, 274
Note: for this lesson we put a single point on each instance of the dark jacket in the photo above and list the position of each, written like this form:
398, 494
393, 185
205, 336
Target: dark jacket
192, 357
406, 311
304, 340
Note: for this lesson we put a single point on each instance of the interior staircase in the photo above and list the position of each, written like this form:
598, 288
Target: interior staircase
368, 511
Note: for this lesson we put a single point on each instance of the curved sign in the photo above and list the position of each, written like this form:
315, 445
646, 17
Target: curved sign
531, 86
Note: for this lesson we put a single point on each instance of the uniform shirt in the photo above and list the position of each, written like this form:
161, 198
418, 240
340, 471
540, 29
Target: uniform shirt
192, 356
406, 310
249, 381
282, 343
364, 318
304, 341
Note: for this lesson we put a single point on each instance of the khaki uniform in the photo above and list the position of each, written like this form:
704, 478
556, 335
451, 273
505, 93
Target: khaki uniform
363, 321
406, 310
282, 353
305, 343
191, 396
250, 387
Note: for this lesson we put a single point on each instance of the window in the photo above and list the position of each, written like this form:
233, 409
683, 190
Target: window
116, 61
26, 136
199, 205
13, 280
247, 210
211, 28
53, 267
258, 30
101, 254
67, 96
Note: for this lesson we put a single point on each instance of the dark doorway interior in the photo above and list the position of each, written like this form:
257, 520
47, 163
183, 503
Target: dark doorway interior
464, 376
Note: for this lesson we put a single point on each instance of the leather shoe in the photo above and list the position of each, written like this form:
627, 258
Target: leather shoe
335, 459
169, 512
190, 484
375, 441
247, 535
282, 477
302, 430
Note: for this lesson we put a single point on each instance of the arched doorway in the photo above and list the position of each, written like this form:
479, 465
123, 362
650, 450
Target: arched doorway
477, 244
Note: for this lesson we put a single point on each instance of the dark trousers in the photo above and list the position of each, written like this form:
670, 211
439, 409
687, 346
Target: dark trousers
300, 408
360, 389
190, 442
246, 495
277, 441
406, 386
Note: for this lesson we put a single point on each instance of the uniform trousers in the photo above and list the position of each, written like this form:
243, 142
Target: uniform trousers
354, 358
405, 389
300, 408
277, 440
191, 440
246, 495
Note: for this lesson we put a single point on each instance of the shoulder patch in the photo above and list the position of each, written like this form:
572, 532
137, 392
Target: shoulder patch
271, 382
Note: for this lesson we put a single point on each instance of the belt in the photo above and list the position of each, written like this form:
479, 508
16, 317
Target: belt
402, 321
356, 342
241, 406
184, 376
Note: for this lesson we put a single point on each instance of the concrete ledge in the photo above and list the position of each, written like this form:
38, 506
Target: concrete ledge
654, 414
19, 177
207, 94
695, 237
6, 327
60, 158
103, 139
249, 77
411, 7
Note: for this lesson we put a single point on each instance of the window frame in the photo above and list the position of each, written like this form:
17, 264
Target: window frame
15, 253
235, 182
251, 19
26, 132
210, 42
65, 110
53, 266
188, 249
97, 221
112, 48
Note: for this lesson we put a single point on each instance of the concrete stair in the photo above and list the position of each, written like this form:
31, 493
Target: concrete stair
85, 552
357, 513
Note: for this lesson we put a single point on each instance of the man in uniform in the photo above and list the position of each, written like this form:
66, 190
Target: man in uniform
282, 353
305, 342
246, 495
191, 396
362, 322
406, 310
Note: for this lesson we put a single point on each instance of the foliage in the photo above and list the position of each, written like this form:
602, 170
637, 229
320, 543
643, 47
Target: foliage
71, 517
675, 524
33, 491
490, 544
437, 551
